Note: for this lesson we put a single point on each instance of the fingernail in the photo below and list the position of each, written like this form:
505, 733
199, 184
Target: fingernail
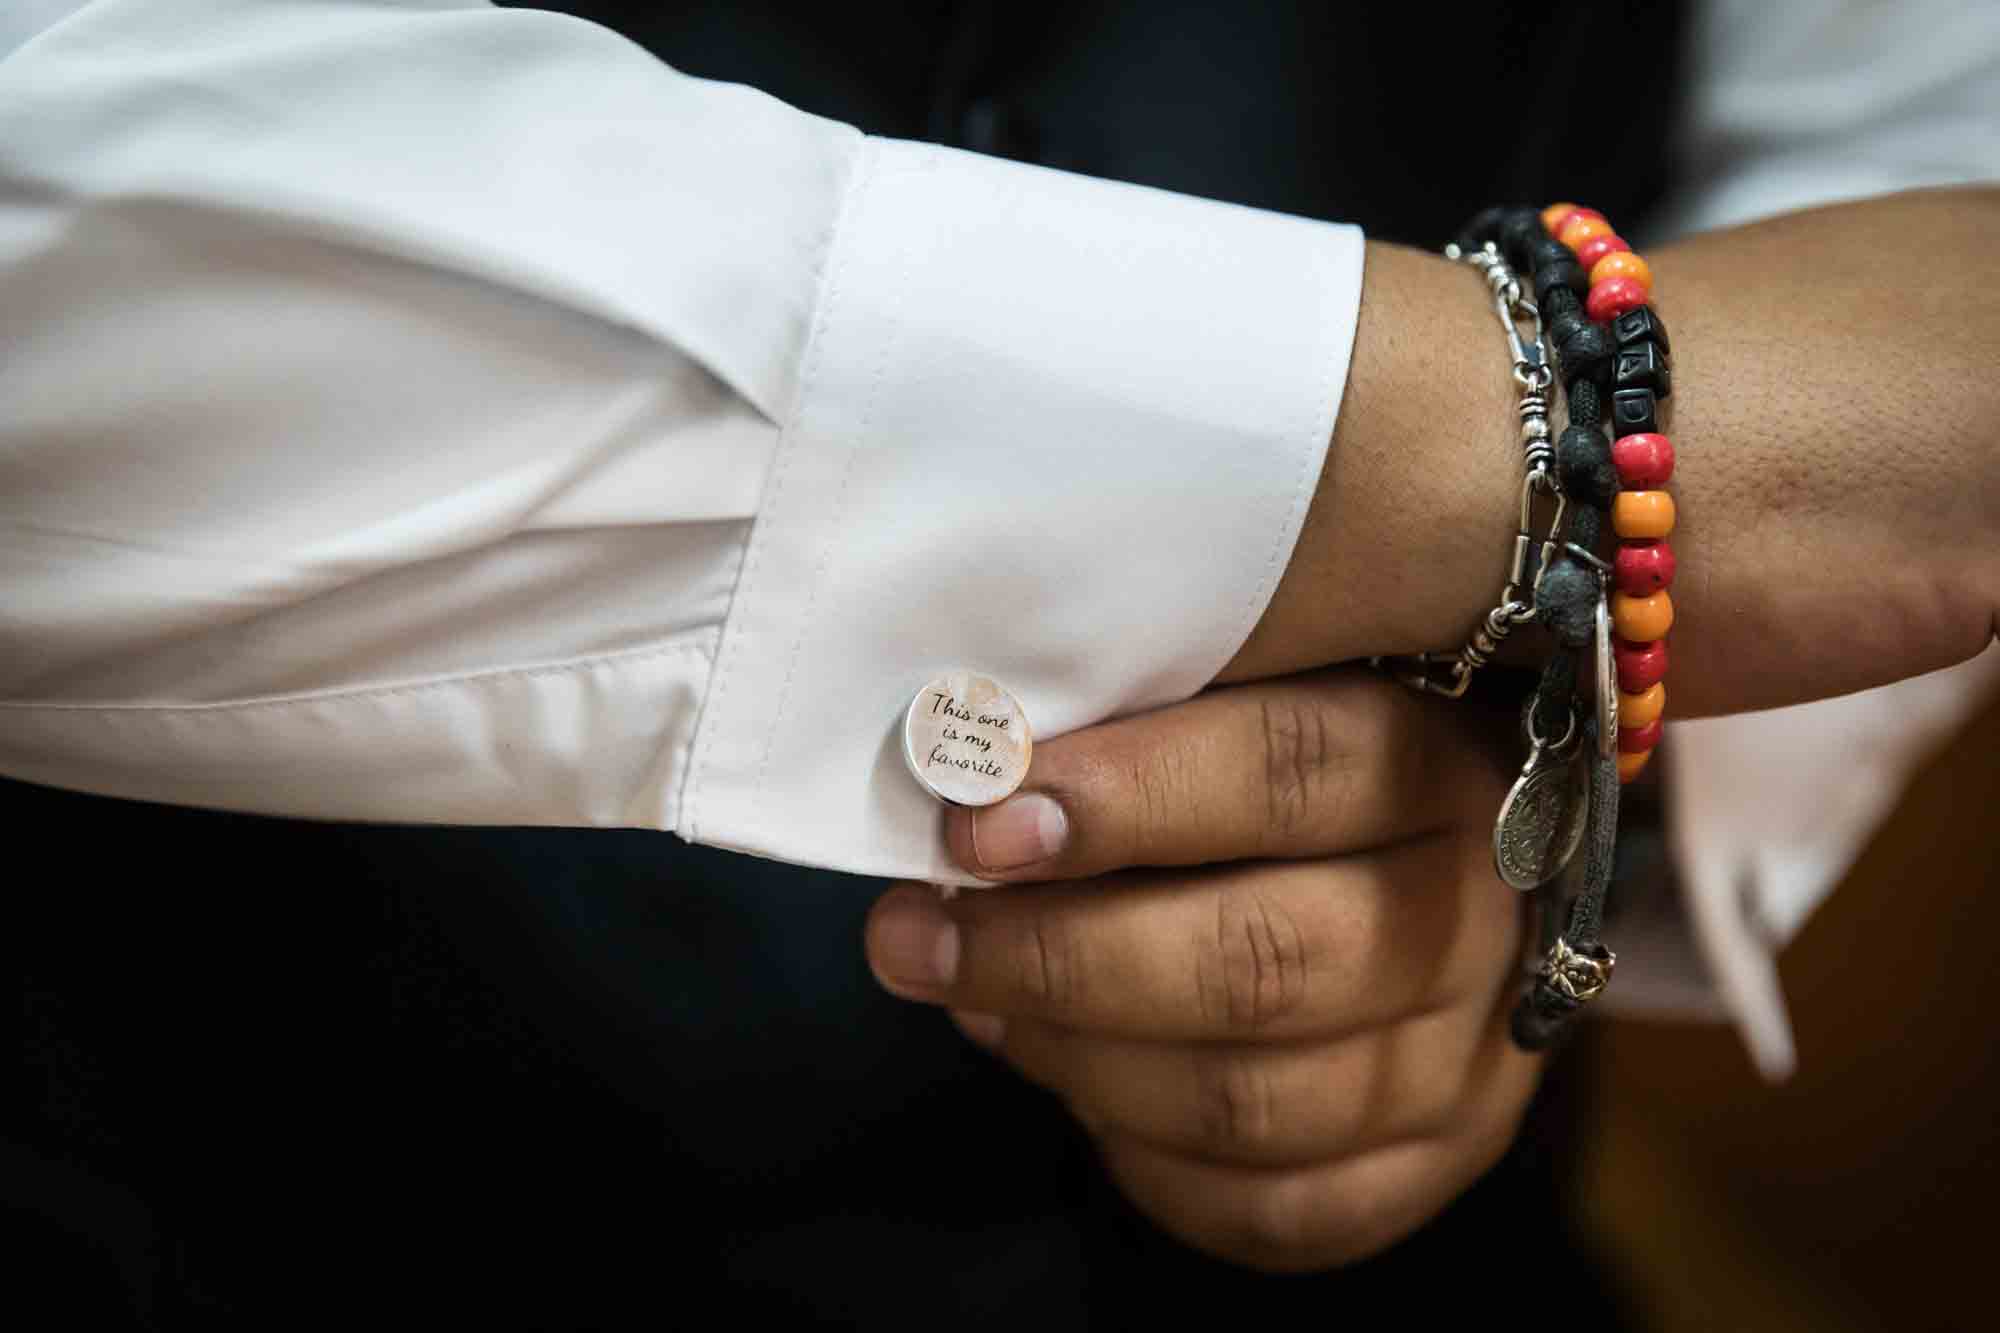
985, 1029
915, 944
1018, 832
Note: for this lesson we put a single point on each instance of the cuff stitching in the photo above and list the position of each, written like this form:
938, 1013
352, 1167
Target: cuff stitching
735, 630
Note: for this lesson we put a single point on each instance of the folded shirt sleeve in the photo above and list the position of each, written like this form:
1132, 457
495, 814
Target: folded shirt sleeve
423, 412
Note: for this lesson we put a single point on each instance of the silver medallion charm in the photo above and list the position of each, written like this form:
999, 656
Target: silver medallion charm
1607, 682
967, 740
1542, 820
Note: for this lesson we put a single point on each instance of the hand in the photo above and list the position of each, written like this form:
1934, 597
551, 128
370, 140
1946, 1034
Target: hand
1291, 1060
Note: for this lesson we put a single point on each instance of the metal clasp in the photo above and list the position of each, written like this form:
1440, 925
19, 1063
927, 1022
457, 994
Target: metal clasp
1537, 479
1418, 671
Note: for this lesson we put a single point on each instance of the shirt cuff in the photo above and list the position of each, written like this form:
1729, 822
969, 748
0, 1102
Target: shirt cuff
1057, 430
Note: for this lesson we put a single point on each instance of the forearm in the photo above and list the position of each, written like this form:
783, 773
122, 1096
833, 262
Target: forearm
1837, 476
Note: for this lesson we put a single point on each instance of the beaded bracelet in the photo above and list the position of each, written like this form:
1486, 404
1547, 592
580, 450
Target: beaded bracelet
1584, 277
1574, 252
1642, 610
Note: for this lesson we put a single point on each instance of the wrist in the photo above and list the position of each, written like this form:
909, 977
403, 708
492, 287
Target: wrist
1409, 531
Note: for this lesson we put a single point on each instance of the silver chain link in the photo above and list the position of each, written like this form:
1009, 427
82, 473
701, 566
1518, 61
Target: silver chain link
1533, 378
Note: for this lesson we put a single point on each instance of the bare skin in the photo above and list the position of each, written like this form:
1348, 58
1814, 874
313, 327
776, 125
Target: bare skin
1838, 473
1268, 963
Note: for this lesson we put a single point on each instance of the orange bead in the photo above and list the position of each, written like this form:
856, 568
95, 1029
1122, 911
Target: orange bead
1581, 228
1630, 764
1636, 710
1639, 514
1623, 264
1555, 213
1642, 619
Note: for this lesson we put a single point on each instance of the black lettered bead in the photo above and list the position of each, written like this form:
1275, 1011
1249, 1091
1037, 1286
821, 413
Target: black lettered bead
1566, 273
1568, 599
1519, 231
1634, 412
1642, 366
1585, 355
1643, 325
1584, 467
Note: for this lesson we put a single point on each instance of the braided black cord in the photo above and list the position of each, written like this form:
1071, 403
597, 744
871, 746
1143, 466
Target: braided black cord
1567, 592
1541, 1017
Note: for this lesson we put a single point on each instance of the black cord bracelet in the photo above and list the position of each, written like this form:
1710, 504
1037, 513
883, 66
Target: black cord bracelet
1571, 586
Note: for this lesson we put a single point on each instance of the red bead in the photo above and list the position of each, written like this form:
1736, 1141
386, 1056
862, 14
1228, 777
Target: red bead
1596, 248
1613, 297
1643, 568
1633, 740
1644, 461
1640, 665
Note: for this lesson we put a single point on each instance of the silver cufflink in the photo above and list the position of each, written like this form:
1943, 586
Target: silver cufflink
966, 739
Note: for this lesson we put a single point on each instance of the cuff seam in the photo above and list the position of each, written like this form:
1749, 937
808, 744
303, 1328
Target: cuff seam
833, 264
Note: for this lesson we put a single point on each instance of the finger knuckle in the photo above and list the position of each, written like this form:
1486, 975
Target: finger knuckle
1238, 1103
1046, 971
1160, 780
1250, 969
1299, 762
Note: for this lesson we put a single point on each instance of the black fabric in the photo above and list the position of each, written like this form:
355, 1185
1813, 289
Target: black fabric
279, 1074
1401, 118
282, 1074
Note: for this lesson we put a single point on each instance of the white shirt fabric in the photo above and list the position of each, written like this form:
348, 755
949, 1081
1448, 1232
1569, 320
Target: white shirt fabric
414, 411
390, 389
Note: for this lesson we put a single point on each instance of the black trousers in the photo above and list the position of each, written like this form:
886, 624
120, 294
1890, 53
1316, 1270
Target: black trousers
280, 1073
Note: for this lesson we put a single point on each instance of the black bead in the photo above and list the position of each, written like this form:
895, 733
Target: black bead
1566, 274
1586, 525
1563, 301
1585, 355
1583, 466
1549, 250
1641, 326
1485, 226
1518, 234
1643, 366
1634, 412
1559, 326
1568, 600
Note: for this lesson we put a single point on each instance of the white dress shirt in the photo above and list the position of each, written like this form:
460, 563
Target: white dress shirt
390, 389
414, 411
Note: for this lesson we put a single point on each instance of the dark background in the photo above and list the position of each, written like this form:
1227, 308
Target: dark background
278, 1072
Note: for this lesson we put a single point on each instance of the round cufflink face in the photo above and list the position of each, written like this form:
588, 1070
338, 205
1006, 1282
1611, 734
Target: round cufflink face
966, 739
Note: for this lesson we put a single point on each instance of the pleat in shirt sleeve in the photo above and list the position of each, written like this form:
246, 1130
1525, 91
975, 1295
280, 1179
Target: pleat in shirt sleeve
427, 413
